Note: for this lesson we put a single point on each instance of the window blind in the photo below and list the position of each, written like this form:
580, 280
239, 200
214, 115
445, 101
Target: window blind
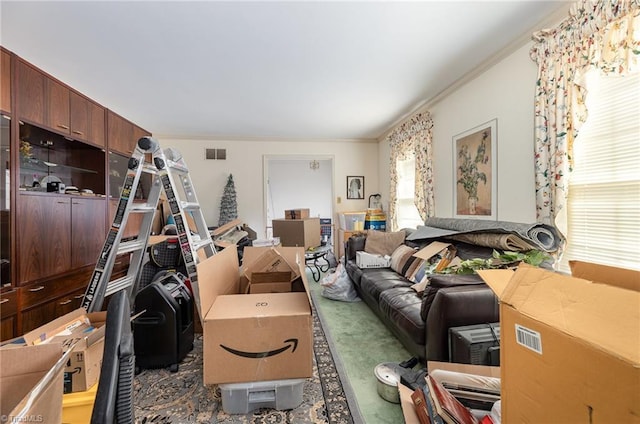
603, 206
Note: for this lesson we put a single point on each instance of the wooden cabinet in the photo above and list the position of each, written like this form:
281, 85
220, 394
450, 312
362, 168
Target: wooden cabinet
86, 119
120, 134
63, 233
97, 117
43, 240
5, 81
88, 230
57, 106
8, 314
30, 93
56, 237
44, 301
44, 101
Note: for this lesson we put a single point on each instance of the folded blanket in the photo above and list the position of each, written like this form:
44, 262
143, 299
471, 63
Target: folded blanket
539, 236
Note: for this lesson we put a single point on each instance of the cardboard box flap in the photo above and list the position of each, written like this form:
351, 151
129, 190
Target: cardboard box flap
497, 279
260, 306
430, 250
218, 275
290, 254
606, 316
20, 369
63, 324
624, 278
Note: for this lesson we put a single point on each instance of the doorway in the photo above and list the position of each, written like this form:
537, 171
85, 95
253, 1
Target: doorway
296, 182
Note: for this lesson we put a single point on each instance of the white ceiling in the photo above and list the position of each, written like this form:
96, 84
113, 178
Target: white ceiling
274, 70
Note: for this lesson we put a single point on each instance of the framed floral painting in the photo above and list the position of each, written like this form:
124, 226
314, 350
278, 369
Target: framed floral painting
475, 172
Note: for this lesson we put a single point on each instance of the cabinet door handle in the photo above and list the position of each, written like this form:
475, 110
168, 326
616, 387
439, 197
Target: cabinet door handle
78, 132
76, 203
63, 126
36, 289
3, 301
65, 302
78, 296
61, 202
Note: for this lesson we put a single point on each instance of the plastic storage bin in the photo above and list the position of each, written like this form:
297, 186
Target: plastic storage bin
77, 407
352, 221
241, 398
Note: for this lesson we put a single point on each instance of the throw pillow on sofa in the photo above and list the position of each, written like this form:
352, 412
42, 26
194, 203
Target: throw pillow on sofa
383, 243
402, 258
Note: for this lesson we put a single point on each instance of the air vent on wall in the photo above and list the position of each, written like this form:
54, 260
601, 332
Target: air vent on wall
219, 154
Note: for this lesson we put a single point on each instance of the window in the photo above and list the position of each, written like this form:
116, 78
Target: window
604, 189
407, 215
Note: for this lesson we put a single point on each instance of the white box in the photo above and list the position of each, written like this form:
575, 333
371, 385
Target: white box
242, 398
370, 260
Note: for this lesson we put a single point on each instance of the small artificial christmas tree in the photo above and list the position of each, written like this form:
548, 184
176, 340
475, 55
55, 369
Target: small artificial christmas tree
228, 204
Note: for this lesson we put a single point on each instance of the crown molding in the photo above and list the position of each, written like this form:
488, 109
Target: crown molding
219, 138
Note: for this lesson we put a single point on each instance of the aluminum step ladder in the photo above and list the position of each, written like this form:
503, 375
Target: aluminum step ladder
168, 166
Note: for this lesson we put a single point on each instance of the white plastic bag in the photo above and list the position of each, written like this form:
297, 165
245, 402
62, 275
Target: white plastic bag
338, 286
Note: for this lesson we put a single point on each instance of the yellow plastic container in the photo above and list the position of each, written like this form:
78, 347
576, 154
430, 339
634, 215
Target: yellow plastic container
77, 407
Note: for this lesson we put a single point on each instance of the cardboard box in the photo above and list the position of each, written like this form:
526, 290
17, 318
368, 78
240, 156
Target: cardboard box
296, 213
369, 260
87, 331
570, 347
297, 232
270, 282
22, 368
253, 337
270, 272
408, 409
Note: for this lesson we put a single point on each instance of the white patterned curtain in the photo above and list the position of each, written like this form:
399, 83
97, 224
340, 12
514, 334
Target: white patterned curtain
413, 136
600, 34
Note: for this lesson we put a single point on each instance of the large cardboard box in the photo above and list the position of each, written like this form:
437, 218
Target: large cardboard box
297, 232
570, 347
22, 370
87, 332
253, 337
296, 213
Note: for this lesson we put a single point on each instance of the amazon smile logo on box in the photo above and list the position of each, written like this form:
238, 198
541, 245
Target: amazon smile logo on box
293, 343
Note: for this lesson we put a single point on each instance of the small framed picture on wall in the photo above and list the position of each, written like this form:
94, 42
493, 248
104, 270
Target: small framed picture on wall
355, 187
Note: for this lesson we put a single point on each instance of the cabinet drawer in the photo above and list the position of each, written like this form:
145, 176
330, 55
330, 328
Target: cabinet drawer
8, 303
36, 293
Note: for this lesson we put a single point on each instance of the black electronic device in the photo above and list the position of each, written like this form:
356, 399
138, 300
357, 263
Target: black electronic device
475, 344
114, 396
164, 329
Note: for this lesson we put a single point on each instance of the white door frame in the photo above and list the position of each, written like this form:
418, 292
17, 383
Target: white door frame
293, 157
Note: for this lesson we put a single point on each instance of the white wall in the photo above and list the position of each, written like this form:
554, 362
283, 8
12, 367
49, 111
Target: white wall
505, 91
293, 184
245, 162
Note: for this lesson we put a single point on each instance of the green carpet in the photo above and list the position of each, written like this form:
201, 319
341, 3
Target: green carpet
361, 342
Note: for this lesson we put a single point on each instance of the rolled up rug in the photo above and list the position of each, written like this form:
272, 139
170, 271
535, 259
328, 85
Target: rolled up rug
541, 236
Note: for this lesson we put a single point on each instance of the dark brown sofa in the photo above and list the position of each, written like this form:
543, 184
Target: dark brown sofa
422, 322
